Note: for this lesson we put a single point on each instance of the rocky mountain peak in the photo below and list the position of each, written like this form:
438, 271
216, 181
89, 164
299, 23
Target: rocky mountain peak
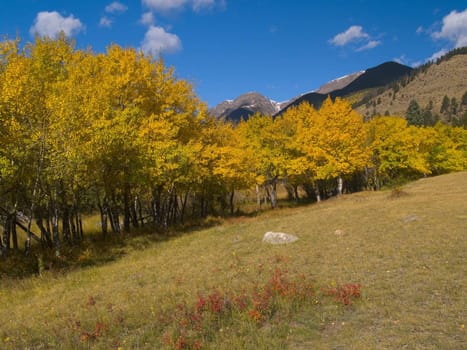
244, 106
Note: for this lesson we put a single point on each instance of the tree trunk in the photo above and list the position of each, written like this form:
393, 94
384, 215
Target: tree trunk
156, 207
340, 185
182, 211
79, 225
55, 231
258, 197
175, 207
193, 206
7, 232
231, 202
273, 194
114, 219
47, 222
1, 241
167, 211
203, 205
14, 235
140, 210
103, 208
134, 213
66, 223
126, 208
45, 235
317, 192
73, 229
290, 192
295, 191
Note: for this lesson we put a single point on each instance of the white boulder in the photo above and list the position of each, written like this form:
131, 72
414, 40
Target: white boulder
279, 238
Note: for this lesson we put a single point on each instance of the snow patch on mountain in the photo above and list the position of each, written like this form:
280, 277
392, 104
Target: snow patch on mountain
338, 83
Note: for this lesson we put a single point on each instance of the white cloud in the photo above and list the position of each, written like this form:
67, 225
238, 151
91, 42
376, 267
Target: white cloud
147, 19
419, 30
52, 23
354, 33
401, 59
105, 22
198, 5
454, 28
169, 5
116, 7
157, 41
165, 5
369, 45
437, 55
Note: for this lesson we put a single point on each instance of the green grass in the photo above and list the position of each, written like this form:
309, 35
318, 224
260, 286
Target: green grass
407, 250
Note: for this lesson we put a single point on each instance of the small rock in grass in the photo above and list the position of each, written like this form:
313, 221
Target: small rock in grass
410, 218
279, 238
339, 232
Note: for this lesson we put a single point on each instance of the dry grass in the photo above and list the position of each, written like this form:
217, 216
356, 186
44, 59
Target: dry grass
408, 252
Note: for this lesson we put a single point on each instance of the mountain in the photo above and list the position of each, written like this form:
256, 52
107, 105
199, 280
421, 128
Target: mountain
244, 106
371, 78
428, 85
355, 84
338, 83
439, 88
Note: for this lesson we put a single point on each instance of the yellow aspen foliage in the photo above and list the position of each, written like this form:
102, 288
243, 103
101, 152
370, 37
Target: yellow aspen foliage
448, 149
397, 149
341, 139
299, 126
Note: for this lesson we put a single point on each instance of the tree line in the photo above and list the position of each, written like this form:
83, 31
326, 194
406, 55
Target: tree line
452, 112
119, 134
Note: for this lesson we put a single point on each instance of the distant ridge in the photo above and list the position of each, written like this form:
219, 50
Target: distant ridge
244, 106
250, 103
378, 76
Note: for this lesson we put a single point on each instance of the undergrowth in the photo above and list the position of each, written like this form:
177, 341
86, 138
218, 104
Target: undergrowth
203, 319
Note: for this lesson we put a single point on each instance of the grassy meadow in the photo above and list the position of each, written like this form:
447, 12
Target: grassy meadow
222, 288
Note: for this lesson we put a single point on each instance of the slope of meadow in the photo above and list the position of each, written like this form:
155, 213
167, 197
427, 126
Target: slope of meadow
405, 247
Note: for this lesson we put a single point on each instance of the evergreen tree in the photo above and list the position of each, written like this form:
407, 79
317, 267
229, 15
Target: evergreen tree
463, 121
445, 104
429, 119
414, 114
464, 99
429, 107
454, 106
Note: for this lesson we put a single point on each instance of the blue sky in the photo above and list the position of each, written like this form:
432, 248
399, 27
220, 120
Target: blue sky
228, 47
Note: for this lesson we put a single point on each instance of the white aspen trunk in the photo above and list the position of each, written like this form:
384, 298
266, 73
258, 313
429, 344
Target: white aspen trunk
317, 194
274, 194
55, 231
340, 185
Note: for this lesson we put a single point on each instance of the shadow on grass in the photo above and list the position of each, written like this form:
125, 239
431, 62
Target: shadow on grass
97, 250
94, 250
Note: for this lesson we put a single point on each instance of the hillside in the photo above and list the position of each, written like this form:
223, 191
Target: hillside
406, 248
448, 78
374, 77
